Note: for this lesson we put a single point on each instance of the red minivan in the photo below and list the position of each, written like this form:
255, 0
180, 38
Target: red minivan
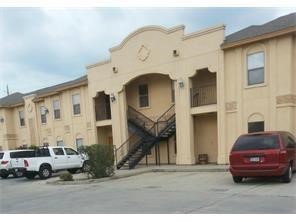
263, 154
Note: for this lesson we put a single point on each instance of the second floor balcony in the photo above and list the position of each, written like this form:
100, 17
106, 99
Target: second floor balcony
203, 95
102, 107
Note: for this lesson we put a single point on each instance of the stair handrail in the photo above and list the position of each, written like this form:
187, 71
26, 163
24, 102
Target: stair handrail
164, 114
135, 115
154, 130
131, 137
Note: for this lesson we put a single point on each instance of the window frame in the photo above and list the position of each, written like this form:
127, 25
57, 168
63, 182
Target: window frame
253, 122
80, 138
20, 119
247, 68
54, 109
43, 115
73, 105
173, 91
58, 141
143, 95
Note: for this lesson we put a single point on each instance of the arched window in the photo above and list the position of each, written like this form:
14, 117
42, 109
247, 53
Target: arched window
255, 123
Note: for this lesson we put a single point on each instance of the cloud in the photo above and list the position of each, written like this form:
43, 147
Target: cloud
45, 46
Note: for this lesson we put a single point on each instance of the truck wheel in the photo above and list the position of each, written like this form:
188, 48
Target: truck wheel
72, 170
45, 172
237, 179
30, 176
4, 175
287, 177
85, 167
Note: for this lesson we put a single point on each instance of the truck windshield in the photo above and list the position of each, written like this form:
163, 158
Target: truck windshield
1, 156
256, 142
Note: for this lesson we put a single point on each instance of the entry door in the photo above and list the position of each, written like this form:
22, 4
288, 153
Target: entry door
60, 159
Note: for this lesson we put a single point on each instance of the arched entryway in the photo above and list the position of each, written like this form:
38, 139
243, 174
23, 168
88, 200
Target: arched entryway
150, 99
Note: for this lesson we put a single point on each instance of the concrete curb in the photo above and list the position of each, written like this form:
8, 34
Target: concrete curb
155, 170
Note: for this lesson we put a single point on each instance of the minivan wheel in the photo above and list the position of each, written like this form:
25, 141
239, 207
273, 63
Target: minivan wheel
237, 179
287, 177
45, 172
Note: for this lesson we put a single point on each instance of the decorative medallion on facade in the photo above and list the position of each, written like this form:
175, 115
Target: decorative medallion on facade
284, 99
231, 106
143, 53
29, 108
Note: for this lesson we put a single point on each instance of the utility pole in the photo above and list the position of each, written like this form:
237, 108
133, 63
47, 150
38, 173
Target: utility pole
7, 90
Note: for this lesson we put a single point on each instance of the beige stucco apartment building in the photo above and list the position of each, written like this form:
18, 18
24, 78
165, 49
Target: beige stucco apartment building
167, 97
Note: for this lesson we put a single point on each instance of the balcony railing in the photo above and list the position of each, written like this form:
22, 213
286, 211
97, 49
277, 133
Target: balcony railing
204, 95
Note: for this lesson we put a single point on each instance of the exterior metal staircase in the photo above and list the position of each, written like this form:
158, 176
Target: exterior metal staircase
146, 133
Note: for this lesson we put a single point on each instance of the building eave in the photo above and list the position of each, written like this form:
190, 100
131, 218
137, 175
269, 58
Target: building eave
258, 38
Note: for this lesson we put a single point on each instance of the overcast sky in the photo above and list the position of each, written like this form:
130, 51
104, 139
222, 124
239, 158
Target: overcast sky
42, 47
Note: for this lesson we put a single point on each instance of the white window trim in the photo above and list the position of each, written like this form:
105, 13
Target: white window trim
72, 104
149, 99
24, 126
251, 51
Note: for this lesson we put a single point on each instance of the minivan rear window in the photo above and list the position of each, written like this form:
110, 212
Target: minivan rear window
1, 156
256, 142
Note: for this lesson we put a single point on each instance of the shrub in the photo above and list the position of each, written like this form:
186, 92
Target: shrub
33, 147
66, 177
100, 160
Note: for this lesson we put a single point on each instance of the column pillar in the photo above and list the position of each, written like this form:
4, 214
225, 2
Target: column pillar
119, 118
184, 124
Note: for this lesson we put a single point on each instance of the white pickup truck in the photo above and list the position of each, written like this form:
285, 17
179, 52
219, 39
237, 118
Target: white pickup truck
51, 159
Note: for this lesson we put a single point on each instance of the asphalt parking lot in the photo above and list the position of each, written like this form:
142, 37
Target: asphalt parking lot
167, 192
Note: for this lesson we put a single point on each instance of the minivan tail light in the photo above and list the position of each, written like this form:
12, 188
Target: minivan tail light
26, 163
4, 162
283, 156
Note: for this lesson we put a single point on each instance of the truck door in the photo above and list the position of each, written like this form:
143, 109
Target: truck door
74, 159
59, 159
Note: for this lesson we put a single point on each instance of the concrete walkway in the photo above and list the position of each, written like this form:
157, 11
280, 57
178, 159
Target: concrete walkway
82, 178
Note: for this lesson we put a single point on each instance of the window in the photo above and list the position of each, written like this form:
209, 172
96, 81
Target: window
256, 142
22, 118
70, 151
254, 127
76, 104
56, 109
143, 95
255, 68
173, 90
288, 140
22, 154
79, 143
60, 143
58, 151
43, 112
